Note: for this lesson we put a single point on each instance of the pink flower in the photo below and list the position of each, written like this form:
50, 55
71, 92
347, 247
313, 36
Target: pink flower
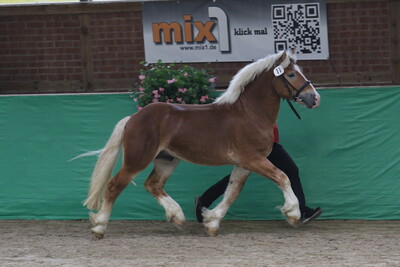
135, 100
184, 90
161, 89
140, 96
155, 92
212, 80
141, 89
157, 95
141, 77
155, 100
171, 81
185, 74
203, 98
179, 99
139, 108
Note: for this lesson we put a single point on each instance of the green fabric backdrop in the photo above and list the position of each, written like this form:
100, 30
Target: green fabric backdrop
347, 151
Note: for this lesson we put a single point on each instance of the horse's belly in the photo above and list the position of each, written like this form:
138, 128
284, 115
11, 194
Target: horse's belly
203, 156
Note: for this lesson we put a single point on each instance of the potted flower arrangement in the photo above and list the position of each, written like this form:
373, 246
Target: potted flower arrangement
162, 82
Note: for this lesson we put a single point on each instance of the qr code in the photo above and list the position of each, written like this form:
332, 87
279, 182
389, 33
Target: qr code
297, 25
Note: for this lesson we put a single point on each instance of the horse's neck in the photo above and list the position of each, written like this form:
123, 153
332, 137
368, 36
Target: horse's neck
260, 99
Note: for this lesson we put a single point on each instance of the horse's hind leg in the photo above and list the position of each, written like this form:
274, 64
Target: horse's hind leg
212, 218
114, 189
154, 184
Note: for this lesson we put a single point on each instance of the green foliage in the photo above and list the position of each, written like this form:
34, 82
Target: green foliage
162, 82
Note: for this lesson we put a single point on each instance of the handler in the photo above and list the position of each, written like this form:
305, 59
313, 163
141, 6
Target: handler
282, 160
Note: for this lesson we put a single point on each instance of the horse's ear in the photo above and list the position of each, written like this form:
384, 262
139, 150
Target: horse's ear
282, 57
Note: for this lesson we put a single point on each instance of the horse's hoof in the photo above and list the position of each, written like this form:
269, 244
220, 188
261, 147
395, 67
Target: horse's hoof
98, 231
97, 235
212, 232
178, 221
293, 222
177, 224
212, 227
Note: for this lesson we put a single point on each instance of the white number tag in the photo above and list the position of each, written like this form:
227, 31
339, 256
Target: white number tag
278, 71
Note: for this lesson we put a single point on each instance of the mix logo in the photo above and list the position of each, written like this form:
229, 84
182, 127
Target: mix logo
233, 30
168, 33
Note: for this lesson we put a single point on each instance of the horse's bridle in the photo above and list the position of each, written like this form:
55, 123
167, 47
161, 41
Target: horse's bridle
279, 72
291, 88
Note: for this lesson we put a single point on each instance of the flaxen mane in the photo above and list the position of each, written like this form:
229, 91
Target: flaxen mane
248, 74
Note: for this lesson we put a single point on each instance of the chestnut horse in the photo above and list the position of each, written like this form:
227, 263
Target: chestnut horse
234, 130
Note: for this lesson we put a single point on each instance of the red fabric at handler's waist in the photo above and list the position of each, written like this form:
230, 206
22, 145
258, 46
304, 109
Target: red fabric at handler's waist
276, 134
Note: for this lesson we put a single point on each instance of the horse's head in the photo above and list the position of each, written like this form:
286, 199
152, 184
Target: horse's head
290, 83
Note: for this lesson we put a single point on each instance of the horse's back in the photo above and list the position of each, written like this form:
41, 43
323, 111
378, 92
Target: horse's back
160, 120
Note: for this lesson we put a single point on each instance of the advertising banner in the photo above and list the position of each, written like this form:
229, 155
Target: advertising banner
233, 30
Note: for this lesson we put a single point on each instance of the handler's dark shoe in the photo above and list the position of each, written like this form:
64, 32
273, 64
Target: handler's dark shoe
198, 209
310, 215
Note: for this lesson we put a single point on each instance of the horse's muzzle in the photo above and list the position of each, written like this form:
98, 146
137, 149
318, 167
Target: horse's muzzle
309, 99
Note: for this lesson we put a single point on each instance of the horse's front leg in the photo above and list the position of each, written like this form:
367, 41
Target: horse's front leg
213, 217
291, 206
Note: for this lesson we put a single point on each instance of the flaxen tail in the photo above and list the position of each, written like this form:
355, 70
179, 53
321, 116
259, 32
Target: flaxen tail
102, 172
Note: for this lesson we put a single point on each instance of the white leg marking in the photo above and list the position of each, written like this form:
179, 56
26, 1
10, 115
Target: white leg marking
291, 207
173, 211
212, 218
100, 220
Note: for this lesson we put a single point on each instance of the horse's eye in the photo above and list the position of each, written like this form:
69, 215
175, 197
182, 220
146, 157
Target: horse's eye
291, 75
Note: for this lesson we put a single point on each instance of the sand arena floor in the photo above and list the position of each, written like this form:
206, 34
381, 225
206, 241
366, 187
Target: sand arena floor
239, 243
